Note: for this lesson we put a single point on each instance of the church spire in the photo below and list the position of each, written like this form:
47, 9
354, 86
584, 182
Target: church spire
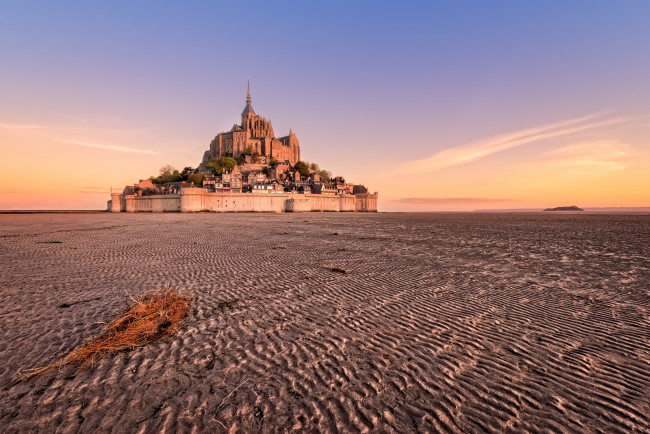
249, 108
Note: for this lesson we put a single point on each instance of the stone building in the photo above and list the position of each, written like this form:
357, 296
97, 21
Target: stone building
257, 133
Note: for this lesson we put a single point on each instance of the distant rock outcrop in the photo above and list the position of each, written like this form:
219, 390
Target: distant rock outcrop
565, 208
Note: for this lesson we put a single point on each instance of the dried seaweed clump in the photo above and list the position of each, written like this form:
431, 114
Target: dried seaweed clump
150, 317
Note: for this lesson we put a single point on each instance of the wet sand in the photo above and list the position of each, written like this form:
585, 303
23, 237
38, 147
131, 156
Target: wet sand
333, 322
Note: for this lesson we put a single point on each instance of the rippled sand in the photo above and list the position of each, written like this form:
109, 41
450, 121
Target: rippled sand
333, 322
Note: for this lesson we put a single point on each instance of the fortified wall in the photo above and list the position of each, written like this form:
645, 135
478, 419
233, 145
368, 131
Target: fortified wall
198, 199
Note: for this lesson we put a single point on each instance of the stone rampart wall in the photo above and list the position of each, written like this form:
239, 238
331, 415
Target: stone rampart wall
324, 202
237, 202
158, 203
365, 202
297, 204
198, 199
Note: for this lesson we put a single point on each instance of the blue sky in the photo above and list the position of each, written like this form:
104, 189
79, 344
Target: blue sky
366, 86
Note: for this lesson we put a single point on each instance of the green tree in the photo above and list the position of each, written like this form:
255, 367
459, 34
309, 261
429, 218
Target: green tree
249, 150
167, 174
302, 168
218, 166
196, 178
325, 176
255, 157
240, 160
314, 167
166, 170
175, 176
227, 163
187, 171
214, 166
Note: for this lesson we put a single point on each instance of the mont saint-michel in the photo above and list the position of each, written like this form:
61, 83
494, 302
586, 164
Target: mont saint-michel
246, 169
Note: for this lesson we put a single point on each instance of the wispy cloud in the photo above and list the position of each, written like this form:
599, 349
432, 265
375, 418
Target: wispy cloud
93, 190
482, 148
110, 147
79, 124
589, 158
22, 127
450, 200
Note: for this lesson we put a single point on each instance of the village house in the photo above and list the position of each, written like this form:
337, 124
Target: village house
212, 184
325, 188
255, 178
263, 188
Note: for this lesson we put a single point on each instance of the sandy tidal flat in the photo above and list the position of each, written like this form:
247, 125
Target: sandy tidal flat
333, 322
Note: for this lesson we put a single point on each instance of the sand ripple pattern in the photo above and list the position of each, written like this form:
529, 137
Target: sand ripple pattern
439, 323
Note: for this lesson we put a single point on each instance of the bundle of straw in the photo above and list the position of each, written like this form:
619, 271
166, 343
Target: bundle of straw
150, 317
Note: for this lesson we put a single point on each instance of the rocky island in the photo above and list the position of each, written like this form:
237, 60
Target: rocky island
246, 169
565, 208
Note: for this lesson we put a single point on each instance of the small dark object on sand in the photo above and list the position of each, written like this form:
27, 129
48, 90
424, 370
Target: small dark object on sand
228, 304
259, 413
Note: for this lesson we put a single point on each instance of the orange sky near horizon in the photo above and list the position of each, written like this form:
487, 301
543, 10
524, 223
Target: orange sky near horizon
78, 165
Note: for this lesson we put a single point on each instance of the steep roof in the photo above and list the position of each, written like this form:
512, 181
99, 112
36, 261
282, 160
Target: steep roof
248, 109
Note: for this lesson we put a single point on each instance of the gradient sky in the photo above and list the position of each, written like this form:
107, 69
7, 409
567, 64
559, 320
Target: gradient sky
436, 105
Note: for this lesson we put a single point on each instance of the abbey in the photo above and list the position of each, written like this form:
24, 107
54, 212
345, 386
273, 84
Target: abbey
246, 169
255, 133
